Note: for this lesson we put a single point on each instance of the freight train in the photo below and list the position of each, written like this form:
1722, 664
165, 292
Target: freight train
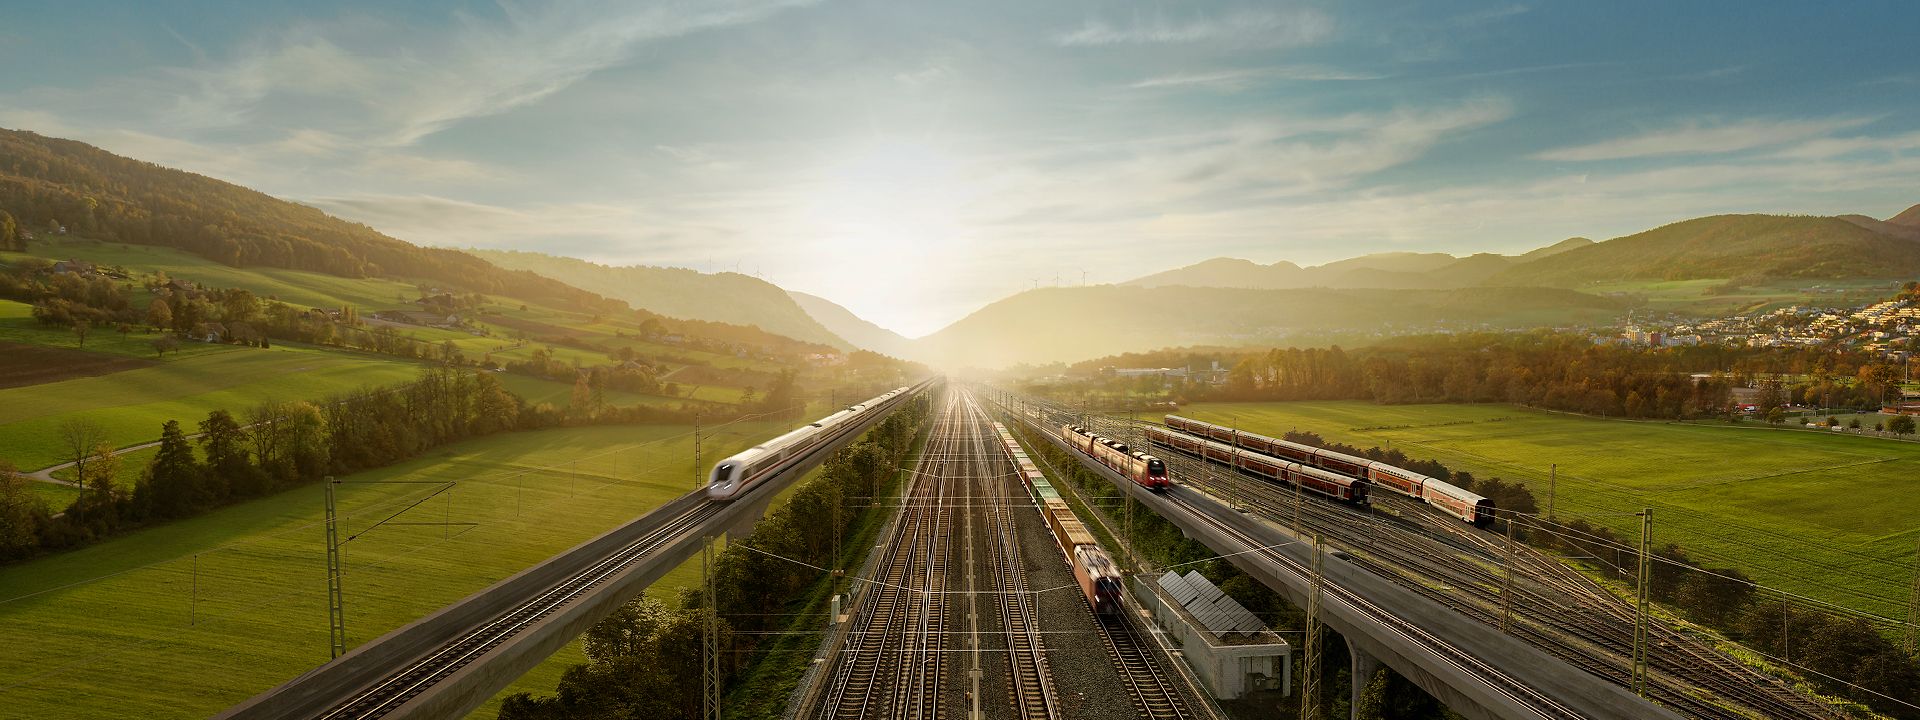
746, 470
1145, 470
1442, 495
1309, 478
1093, 570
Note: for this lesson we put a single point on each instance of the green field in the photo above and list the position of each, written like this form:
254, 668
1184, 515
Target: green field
1828, 515
295, 287
120, 630
132, 405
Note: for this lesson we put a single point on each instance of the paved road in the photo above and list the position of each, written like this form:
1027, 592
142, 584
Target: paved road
45, 474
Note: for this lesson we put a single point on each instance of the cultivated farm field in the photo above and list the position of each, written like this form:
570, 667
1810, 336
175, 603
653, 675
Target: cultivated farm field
184, 619
1831, 516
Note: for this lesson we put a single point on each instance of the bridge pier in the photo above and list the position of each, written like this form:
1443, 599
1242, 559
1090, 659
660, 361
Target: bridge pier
1363, 669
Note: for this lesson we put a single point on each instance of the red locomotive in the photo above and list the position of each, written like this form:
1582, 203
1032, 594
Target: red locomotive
1309, 478
1145, 470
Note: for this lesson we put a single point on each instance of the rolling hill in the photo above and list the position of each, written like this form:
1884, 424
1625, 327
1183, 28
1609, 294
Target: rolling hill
1907, 218
50, 182
854, 329
1402, 270
1728, 246
678, 292
1070, 324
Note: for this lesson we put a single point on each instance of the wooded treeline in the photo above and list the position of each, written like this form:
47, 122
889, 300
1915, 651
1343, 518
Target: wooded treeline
1541, 369
268, 448
644, 660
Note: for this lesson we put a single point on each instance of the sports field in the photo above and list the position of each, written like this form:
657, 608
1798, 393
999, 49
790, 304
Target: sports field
184, 619
1831, 516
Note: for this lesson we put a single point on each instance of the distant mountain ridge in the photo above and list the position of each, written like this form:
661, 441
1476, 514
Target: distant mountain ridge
1909, 217
1401, 270
681, 293
1029, 327
1748, 248
854, 329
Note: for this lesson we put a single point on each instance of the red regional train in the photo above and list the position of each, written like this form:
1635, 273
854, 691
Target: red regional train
1311, 479
1442, 495
1146, 470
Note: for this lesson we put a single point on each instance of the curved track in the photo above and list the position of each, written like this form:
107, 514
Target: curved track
1553, 607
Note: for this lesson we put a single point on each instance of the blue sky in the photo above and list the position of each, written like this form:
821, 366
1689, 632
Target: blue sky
916, 160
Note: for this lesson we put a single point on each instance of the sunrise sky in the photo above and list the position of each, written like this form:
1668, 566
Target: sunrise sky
914, 161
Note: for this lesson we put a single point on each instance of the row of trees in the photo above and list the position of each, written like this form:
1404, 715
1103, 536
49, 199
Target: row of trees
1542, 369
270, 447
643, 661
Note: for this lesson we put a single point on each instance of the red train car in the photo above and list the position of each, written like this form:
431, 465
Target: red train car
1280, 470
1440, 494
1145, 470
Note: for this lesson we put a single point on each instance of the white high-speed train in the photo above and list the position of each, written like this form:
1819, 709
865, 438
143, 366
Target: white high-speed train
740, 473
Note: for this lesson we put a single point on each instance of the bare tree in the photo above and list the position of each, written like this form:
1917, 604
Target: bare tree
79, 437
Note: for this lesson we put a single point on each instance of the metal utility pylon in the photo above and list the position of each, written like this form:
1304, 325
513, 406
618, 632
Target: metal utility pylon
1506, 584
709, 638
1913, 609
696, 453
1640, 612
336, 603
1310, 667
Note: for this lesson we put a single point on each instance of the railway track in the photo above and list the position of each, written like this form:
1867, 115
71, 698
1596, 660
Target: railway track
1553, 607
397, 689
1137, 660
893, 665
1030, 684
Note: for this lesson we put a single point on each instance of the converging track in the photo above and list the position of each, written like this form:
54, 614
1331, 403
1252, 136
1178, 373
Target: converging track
893, 662
968, 605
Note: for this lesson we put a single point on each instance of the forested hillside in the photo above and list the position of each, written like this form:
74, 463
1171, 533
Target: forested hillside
1751, 247
47, 183
679, 292
1071, 324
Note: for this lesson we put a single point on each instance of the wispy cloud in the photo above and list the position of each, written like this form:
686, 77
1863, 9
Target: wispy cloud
1261, 28
1490, 15
1703, 139
1247, 77
377, 84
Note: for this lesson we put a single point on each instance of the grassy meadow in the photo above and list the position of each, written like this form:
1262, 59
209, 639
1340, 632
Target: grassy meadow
131, 405
184, 619
1828, 515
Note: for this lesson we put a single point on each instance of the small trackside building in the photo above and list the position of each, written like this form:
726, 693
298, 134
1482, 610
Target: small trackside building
1231, 651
